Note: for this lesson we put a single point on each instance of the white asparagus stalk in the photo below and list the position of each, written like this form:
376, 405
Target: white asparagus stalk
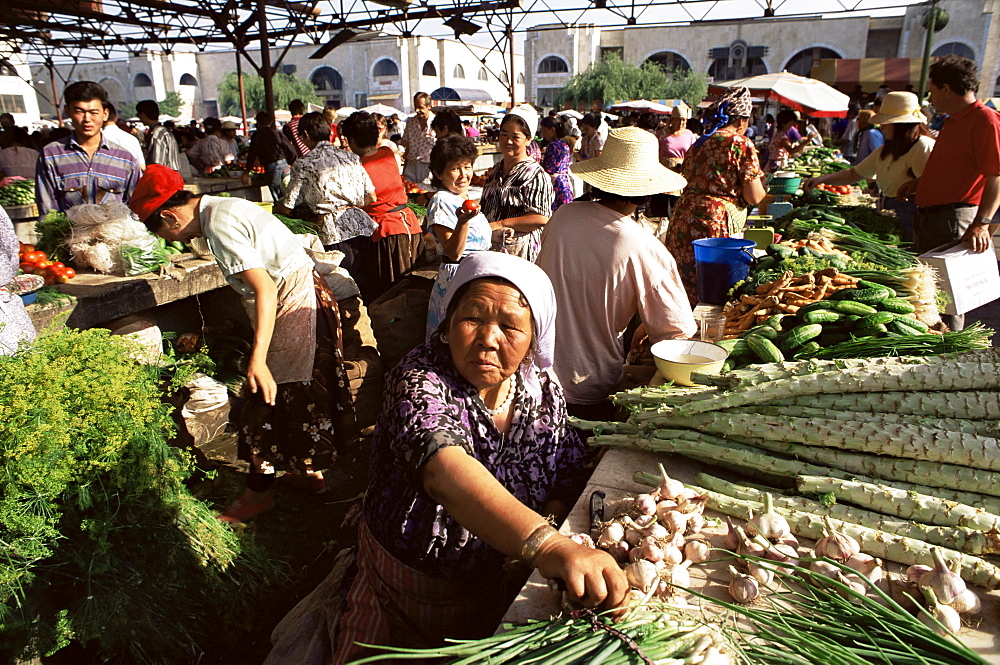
876, 543
963, 539
930, 376
971, 405
901, 503
907, 441
752, 376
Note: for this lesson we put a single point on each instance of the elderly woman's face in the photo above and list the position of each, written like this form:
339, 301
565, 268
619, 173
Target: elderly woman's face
489, 333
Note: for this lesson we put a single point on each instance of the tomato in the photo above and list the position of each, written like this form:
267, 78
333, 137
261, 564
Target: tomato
69, 273
61, 278
41, 272
470, 206
43, 264
58, 264
34, 257
27, 267
52, 270
50, 280
27, 248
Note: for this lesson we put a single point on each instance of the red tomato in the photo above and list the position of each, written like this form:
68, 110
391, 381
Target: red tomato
40, 271
27, 248
62, 278
27, 267
53, 270
58, 264
50, 280
69, 273
45, 263
34, 257
470, 206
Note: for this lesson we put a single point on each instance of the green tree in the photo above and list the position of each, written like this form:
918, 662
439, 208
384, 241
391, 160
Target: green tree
286, 88
689, 85
171, 104
613, 79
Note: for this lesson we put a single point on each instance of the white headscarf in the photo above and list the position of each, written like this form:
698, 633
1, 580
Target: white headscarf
529, 116
536, 288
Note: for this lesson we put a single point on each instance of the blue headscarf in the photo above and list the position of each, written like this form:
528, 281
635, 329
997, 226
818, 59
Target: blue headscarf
719, 120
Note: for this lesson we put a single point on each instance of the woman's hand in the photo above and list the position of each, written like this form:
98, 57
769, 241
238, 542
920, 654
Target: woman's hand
464, 216
592, 577
907, 189
810, 183
259, 377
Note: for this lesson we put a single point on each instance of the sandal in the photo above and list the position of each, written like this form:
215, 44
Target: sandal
242, 509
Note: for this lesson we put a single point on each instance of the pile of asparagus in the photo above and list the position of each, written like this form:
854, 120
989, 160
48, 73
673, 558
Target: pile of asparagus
902, 452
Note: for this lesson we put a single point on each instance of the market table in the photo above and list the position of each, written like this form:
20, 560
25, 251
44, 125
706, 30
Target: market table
234, 186
102, 298
613, 476
24, 218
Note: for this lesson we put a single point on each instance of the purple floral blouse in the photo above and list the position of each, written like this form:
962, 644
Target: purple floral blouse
429, 406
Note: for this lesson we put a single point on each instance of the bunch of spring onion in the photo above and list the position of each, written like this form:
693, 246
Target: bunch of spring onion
648, 633
821, 619
859, 244
976, 336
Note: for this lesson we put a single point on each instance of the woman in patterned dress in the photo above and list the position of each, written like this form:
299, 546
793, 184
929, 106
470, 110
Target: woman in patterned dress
556, 160
15, 324
299, 416
517, 195
724, 178
471, 450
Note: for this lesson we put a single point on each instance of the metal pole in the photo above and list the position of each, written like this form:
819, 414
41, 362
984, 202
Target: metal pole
243, 97
510, 75
265, 59
55, 93
925, 66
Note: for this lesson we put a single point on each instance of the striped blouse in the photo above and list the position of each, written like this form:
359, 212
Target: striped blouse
526, 189
66, 176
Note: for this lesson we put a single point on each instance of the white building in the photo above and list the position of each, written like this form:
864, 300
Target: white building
17, 95
384, 69
732, 49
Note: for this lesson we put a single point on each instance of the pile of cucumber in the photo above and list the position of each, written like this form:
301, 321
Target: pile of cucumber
869, 311
776, 254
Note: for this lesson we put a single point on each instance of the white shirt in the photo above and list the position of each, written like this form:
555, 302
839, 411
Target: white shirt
891, 173
125, 140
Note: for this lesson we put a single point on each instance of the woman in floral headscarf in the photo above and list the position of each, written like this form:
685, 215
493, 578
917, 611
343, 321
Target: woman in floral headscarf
724, 179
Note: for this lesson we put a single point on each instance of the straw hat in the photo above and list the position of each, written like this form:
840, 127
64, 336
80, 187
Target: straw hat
629, 165
899, 107
682, 113
229, 124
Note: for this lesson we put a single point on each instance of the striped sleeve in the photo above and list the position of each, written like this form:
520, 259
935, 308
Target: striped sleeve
537, 193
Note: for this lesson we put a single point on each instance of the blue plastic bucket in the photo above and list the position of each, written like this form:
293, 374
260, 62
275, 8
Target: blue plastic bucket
720, 263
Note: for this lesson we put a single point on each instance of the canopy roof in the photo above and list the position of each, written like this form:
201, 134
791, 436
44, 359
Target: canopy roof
797, 92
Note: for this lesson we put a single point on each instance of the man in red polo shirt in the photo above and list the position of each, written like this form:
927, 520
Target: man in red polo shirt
959, 191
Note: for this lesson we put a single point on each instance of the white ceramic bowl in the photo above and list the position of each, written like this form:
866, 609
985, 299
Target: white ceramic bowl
677, 358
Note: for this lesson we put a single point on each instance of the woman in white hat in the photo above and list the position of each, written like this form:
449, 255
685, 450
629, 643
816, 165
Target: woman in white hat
724, 179
908, 145
677, 140
605, 269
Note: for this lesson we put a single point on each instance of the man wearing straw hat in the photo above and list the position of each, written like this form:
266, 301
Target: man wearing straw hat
605, 268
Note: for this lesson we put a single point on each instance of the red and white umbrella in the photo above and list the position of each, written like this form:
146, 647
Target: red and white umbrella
810, 96
642, 105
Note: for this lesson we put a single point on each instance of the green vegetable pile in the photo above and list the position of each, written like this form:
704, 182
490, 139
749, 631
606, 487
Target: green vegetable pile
103, 544
18, 193
53, 231
297, 226
140, 260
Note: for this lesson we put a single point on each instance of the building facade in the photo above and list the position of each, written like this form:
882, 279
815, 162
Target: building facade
18, 95
383, 69
726, 50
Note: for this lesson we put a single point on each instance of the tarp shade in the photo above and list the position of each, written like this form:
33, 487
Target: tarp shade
870, 73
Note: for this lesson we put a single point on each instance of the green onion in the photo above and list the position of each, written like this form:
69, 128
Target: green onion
976, 336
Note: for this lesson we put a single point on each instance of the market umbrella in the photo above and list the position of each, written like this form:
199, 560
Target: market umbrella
993, 103
641, 105
810, 96
385, 110
345, 112
576, 115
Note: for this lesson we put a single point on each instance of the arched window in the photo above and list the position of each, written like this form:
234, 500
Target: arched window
553, 64
520, 79
385, 67
142, 81
483, 76
802, 62
504, 78
329, 85
459, 72
954, 48
428, 70
669, 61
7, 70
187, 79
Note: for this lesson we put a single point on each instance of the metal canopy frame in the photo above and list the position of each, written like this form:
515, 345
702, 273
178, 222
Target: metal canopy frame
62, 31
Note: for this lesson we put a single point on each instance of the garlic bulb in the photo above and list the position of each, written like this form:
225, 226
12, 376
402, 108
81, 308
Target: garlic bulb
633, 537
692, 504
743, 588
697, 551
634, 554
770, 524
650, 551
732, 537
672, 555
641, 575
824, 568
657, 531
678, 575
642, 521
836, 545
916, 571
668, 487
947, 619
945, 584
612, 533
747, 546
678, 540
675, 521
645, 504
967, 602
782, 554
854, 582
664, 507
866, 566
762, 574
695, 523
582, 539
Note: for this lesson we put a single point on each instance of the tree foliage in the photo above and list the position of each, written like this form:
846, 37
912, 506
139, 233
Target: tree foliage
169, 105
286, 88
613, 79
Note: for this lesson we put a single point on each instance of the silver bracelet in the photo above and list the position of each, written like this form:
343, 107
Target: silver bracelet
534, 542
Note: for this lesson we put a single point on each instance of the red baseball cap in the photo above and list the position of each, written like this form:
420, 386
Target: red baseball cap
154, 188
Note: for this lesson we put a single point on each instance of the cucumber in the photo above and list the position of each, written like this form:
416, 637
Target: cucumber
774, 321
730, 364
799, 336
780, 251
789, 321
765, 263
901, 328
764, 331
876, 319
897, 305
854, 307
876, 330
808, 350
869, 296
919, 326
822, 316
819, 304
736, 347
765, 349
